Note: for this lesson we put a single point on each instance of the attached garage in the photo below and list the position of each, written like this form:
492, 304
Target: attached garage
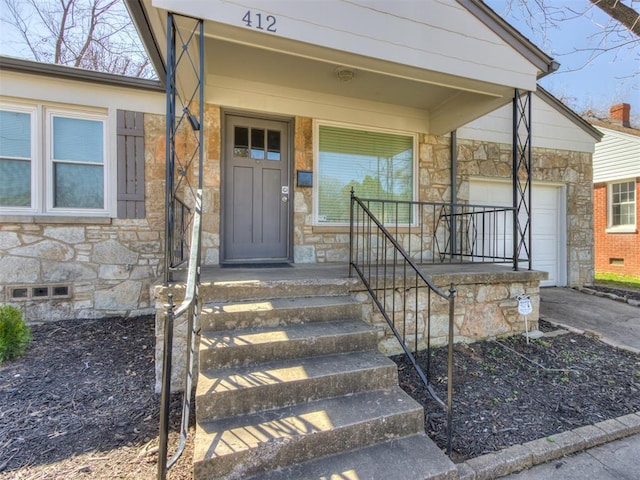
548, 222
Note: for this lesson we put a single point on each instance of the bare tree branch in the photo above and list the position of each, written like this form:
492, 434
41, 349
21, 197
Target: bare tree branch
91, 34
624, 14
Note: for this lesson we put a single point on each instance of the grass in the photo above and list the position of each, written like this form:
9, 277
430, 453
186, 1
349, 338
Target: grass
616, 280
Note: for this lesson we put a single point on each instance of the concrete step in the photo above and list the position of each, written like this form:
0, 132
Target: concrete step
259, 289
278, 311
415, 457
240, 390
237, 447
244, 347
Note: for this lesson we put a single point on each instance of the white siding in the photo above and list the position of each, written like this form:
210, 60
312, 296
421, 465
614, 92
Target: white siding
550, 128
616, 157
44, 88
435, 35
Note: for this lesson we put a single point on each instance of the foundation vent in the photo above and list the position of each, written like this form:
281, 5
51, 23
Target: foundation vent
18, 293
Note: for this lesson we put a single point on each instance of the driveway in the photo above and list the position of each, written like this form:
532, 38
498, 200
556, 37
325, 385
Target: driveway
616, 323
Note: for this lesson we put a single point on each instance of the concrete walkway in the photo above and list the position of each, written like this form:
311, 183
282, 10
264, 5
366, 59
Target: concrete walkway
610, 449
616, 323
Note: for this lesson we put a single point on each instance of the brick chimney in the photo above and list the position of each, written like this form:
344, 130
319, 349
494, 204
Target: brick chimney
620, 114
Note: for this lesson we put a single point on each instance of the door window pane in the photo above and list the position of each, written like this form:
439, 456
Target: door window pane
78, 186
257, 143
241, 142
273, 145
376, 165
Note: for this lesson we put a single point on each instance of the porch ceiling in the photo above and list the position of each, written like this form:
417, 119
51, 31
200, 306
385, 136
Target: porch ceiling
445, 102
242, 61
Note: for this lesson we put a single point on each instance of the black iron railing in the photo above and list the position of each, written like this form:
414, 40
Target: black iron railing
435, 232
405, 296
190, 308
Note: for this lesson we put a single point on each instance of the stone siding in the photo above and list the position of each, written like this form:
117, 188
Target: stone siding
318, 244
108, 265
486, 306
572, 169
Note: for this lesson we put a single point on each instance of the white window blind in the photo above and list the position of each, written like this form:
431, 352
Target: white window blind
15, 159
377, 165
78, 157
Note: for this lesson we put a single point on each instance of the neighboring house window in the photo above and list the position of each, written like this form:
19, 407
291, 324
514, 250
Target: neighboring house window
622, 204
376, 164
55, 166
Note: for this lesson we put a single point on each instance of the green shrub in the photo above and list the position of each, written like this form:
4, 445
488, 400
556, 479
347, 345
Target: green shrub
14, 334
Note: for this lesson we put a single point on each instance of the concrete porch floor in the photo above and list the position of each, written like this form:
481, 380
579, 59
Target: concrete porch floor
215, 274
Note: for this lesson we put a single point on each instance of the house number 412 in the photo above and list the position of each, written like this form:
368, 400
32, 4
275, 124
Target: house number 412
260, 21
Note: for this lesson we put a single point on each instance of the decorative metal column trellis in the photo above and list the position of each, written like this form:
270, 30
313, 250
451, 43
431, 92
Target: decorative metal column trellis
522, 178
184, 134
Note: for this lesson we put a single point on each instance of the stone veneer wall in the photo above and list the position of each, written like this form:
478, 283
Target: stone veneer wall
317, 244
486, 306
109, 265
572, 169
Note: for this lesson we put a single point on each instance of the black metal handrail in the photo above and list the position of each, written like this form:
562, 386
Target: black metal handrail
189, 307
437, 232
395, 283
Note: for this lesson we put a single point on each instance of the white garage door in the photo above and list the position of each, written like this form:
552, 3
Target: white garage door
547, 223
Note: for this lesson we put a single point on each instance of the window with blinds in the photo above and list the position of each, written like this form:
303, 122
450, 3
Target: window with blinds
377, 165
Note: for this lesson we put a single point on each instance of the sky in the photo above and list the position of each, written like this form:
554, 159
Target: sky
585, 84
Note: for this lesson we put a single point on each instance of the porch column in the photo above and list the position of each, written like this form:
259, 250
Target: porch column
522, 172
184, 93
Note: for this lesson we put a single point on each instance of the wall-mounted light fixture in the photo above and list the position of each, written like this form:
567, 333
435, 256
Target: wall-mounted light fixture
191, 118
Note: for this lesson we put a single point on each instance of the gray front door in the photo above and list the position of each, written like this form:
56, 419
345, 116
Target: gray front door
255, 190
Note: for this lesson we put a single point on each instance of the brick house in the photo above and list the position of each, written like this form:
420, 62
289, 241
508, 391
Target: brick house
616, 183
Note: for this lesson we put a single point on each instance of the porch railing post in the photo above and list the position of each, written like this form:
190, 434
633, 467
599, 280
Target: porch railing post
169, 150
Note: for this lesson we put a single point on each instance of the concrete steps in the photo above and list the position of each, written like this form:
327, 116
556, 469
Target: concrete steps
291, 385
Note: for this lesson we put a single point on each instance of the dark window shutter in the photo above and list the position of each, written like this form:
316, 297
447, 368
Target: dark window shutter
130, 164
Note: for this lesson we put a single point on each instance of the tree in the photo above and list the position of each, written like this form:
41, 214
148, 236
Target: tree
91, 34
621, 32
624, 14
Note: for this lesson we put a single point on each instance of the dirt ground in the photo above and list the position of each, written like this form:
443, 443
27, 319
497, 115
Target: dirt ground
81, 403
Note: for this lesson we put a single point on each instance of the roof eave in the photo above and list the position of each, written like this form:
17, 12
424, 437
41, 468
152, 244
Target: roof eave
545, 64
72, 73
569, 113
140, 19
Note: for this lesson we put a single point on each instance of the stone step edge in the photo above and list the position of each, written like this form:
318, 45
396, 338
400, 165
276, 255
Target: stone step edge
391, 460
290, 302
376, 372
309, 330
364, 412
217, 349
526, 455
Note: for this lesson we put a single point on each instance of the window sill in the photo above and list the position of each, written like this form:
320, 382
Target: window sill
56, 219
622, 229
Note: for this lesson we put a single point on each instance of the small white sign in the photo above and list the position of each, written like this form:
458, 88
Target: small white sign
524, 305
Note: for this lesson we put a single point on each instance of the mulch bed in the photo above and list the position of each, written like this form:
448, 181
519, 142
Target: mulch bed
81, 402
508, 392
